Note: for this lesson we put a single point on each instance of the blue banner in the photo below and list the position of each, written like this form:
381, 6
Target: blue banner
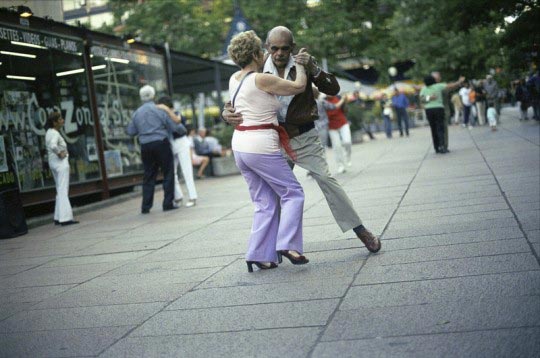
238, 24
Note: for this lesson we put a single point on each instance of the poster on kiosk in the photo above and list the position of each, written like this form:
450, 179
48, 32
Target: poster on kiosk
12, 219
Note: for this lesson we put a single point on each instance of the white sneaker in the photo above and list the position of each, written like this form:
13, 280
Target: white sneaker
341, 169
191, 203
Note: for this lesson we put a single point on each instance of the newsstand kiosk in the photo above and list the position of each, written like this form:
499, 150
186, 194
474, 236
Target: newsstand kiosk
12, 219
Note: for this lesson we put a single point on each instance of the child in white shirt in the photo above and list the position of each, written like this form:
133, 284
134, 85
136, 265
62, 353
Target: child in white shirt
492, 116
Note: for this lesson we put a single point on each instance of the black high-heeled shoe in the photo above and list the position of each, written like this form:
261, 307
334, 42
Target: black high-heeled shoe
300, 260
260, 265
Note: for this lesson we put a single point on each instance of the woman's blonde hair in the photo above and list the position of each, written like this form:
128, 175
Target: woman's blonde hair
243, 46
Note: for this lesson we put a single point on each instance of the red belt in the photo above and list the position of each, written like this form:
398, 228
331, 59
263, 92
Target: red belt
283, 136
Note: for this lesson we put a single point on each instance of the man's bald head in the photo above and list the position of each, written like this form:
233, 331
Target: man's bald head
280, 32
280, 44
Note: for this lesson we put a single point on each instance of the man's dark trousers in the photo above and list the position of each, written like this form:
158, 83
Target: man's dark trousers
402, 118
436, 119
157, 155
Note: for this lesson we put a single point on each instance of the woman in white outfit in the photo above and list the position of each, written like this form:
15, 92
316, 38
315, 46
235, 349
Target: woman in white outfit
181, 148
59, 165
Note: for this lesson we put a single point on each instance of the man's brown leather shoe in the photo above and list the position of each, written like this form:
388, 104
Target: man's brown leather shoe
373, 244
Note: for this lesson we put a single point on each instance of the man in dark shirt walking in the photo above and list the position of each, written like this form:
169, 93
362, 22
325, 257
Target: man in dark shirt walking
154, 129
297, 116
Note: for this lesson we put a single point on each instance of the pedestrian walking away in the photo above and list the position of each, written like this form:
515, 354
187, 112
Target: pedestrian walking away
154, 128
400, 104
256, 145
297, 115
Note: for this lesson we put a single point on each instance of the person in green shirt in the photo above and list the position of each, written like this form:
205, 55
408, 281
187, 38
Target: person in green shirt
432, 98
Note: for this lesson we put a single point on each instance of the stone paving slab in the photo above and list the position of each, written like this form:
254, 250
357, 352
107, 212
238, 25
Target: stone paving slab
514, 342
414, 229
512, 284
239, 318
534, 236
473, 210
31, 294
116, 257
84, 317
60, 343
433, 218
258, 294
237, 275
462, 315
100, 292
8, 309
286, 342
456, 251
405, 243
463, 203
458, 274
447, 268
57, 275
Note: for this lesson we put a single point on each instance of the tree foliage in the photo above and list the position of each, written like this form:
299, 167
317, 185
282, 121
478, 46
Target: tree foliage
453, 36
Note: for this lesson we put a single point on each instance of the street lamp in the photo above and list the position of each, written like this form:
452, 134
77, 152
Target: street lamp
24, 11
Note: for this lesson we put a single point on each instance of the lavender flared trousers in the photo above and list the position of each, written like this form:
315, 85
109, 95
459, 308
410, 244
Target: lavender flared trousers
272, 184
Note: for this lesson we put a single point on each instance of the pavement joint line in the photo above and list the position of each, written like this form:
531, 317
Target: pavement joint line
96, 305
520, 225
452, 232
456, 244
456, 258
266, 283
104, 254
448, 201
225, 332
472, 180
522, 137
167, 305
68, 329
456, 214
432, 333
253, 304
442, 278
337, 309
457, 199
448, 207
343, 181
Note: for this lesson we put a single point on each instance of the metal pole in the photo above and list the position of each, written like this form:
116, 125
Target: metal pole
105, 194
217, 83
168, 60
200, 114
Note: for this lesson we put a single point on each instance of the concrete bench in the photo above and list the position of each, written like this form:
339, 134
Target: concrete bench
224, 166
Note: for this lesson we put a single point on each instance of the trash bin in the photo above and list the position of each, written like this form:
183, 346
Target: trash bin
12, 219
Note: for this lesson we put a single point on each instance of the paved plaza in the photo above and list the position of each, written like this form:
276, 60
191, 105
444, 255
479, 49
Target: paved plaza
458, 275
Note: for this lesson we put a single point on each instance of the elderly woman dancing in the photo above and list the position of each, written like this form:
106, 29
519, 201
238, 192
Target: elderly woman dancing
256, 146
